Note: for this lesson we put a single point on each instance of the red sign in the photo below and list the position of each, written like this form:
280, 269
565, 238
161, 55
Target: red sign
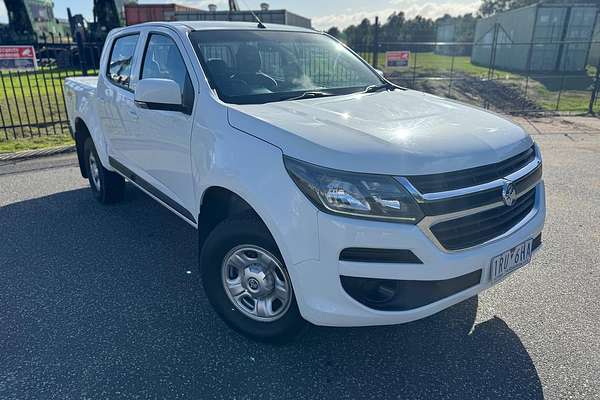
395, 59
17, 57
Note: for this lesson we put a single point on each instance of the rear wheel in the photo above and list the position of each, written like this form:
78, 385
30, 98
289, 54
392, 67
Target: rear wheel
108, 187
247, 282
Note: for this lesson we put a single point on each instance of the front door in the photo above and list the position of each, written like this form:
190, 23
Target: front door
162, 138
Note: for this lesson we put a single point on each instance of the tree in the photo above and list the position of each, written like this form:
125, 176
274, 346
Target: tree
396, 29
489, 7
364, 31
419, 29
464, 27
359, 35
350, 33
335, 32
392, 29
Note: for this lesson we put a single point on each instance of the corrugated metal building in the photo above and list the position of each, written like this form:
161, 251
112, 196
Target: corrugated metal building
513, 32
283, 17
594, 56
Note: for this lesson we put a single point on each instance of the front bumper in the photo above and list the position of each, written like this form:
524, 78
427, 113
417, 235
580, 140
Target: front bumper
323, 301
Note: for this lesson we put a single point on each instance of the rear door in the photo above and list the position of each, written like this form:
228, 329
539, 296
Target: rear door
115, 93
159, 143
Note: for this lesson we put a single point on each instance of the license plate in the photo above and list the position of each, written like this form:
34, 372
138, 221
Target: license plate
504, 264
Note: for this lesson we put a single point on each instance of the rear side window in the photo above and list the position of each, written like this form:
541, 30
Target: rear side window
121, 60
163, 60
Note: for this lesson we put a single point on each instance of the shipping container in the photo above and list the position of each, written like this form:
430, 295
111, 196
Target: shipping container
445, 33
537, 38
140, 13
282, 17
594, 56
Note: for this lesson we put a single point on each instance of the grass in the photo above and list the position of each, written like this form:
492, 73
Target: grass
41, 142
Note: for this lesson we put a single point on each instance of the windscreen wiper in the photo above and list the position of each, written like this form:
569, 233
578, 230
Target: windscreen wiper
311, 95
377, 88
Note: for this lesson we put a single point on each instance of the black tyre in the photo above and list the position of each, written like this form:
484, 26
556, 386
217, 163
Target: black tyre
247, 282
108, 187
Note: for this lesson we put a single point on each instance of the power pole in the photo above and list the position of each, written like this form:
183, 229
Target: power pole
376, 43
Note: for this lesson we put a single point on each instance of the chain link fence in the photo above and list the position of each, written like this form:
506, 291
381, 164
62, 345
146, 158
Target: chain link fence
516, 78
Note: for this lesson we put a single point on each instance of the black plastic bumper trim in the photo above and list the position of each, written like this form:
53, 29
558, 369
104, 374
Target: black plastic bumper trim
537, 242
384, 256
401, 295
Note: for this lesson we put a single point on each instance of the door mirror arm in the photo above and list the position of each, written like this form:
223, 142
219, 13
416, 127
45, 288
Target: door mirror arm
163, 106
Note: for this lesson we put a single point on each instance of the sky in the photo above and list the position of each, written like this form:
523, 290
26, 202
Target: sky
324, 13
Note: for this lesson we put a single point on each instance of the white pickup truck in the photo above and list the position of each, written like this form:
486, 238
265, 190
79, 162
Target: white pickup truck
321, 192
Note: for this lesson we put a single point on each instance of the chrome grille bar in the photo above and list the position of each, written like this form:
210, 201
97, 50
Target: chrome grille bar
530, 175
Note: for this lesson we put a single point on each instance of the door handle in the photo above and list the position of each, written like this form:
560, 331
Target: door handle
133, 114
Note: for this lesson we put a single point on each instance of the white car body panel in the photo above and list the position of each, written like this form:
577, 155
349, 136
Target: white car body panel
394, 133
241, 148
337, 233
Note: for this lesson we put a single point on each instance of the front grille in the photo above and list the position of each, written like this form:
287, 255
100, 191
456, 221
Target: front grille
478, 199
469, 231
473, 176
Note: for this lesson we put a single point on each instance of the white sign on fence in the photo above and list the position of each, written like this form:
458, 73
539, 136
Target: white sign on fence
17, 57
397, 59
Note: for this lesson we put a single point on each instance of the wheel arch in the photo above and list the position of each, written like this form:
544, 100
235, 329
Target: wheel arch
218, 204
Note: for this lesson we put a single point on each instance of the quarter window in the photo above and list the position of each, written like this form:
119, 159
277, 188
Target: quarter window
121, 60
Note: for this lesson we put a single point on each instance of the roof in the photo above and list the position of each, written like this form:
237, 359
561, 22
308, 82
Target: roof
221, 25
540, 5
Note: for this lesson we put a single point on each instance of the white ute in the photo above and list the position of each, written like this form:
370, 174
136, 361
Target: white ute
321, 192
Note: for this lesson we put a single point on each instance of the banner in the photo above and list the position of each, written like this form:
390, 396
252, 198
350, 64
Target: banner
397, 59
17, 57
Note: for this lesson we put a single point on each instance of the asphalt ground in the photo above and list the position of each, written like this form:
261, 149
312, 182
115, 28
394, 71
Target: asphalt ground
104, 302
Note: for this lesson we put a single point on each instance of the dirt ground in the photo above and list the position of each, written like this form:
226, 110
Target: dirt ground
558, 125
493, 94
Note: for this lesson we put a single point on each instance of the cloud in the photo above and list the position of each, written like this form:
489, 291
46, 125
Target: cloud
411, 9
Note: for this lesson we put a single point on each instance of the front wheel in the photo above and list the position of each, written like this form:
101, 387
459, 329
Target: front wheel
247, 282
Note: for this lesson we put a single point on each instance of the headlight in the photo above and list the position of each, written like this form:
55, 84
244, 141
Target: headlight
360, 195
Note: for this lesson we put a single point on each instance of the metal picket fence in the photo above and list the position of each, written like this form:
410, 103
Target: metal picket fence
31, 101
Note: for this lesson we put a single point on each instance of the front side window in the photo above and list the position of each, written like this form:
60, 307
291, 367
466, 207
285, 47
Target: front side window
163, 60
259, 66
121, 60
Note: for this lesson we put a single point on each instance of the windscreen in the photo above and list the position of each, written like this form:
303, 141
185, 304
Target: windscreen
259, 66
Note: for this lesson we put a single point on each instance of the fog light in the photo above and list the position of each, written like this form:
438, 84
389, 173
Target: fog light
373, 291
402, 295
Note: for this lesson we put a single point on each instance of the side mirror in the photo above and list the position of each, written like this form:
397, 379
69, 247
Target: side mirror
380, 72
158, 94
